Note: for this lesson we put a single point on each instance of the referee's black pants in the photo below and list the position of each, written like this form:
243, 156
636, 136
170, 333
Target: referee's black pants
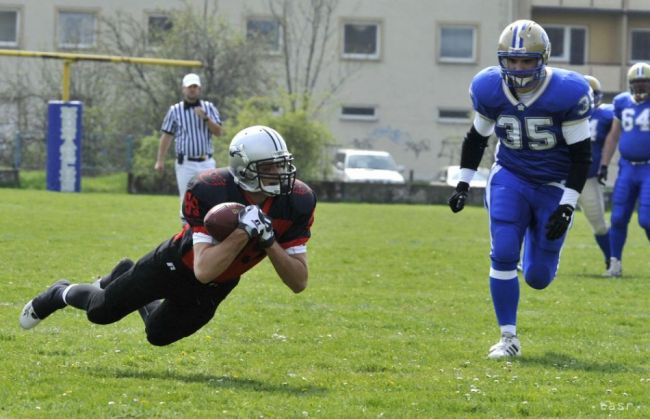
186, 307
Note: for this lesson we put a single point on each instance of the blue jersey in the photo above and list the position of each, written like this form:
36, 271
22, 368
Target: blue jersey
599, 125
531, 142
634, 142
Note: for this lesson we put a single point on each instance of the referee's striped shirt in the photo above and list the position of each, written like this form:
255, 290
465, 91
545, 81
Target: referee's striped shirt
191, 133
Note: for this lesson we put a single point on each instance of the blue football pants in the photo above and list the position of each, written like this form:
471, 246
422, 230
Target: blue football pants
632, 184
519, 211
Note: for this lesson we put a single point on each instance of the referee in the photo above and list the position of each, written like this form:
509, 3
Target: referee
191, 122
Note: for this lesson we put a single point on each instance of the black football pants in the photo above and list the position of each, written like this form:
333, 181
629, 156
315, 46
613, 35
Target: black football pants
186, 307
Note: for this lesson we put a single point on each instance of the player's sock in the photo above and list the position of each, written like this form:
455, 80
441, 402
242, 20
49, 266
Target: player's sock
603, 243
50, 300
80, 295
505, 296
617, 237
508, 328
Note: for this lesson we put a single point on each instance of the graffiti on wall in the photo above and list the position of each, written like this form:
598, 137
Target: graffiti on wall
394, 136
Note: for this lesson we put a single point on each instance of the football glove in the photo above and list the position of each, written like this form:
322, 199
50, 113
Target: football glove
457, 200
558, 222
602, 175
267, 236
250, 221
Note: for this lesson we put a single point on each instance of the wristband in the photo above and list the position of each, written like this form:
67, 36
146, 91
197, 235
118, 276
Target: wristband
569, 197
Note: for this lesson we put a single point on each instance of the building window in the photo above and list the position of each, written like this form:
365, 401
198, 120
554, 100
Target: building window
457, 44
454, 116
265, 31
76, 29
361, 40
568, 44
157, 27
640, 50
9, 28
364, 113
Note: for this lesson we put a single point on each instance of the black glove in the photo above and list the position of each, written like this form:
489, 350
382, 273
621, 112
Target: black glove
602, 175
558, 222
457, 200
267, 236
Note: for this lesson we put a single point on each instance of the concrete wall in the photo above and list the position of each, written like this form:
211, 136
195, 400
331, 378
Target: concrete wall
408, 83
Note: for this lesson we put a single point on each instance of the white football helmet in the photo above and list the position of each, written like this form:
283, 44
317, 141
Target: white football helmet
260, 161
638, 78
594, 83
523, 39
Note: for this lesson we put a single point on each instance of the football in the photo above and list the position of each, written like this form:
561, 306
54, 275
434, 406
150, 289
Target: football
222, 219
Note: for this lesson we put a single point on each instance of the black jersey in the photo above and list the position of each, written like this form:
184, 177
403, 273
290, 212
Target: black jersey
292, 217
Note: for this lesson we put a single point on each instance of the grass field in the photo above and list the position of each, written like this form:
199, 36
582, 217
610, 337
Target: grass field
396, 323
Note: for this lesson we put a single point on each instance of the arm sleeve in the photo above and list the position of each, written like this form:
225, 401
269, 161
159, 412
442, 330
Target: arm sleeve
472, 151
580, 154
213, 113
576, 131
169, 124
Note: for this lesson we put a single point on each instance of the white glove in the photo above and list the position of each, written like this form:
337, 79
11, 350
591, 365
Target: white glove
267, 236
250, 221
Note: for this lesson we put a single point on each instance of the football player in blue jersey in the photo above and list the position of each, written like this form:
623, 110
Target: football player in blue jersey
592, 199
632, 127
540, 116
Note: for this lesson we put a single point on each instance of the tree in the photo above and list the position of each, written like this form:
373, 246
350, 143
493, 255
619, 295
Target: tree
123, 100
306, 138
307, 30
231, 69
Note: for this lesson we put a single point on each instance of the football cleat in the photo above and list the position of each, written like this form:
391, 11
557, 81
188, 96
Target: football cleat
28, 317
43, 305
507, 346
615, 269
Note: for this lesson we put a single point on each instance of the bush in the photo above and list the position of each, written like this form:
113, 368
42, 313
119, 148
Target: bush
143, 178
306, 138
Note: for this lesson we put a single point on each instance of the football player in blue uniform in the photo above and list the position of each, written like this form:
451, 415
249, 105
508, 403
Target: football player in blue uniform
632, 126
540, 116
178, 286
592, 200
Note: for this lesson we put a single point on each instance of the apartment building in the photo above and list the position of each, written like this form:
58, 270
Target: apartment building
409, 62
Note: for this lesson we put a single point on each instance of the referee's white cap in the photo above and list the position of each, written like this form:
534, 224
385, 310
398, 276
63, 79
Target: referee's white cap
191, 79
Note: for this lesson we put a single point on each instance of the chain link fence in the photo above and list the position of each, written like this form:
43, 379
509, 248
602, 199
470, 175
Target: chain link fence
100, 153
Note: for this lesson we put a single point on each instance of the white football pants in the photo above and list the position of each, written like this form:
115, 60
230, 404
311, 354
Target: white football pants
592, 202
185, 172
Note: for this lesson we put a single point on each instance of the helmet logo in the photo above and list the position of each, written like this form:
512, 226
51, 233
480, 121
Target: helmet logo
236, 150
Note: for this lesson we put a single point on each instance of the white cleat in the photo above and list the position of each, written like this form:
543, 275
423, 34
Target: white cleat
28, 317
507, 346
615, 269
43, 304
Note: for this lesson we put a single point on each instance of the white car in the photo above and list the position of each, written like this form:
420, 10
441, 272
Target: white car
366, 166
450, 175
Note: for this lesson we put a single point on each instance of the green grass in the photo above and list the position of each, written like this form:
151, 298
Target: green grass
112, 183
396, 322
